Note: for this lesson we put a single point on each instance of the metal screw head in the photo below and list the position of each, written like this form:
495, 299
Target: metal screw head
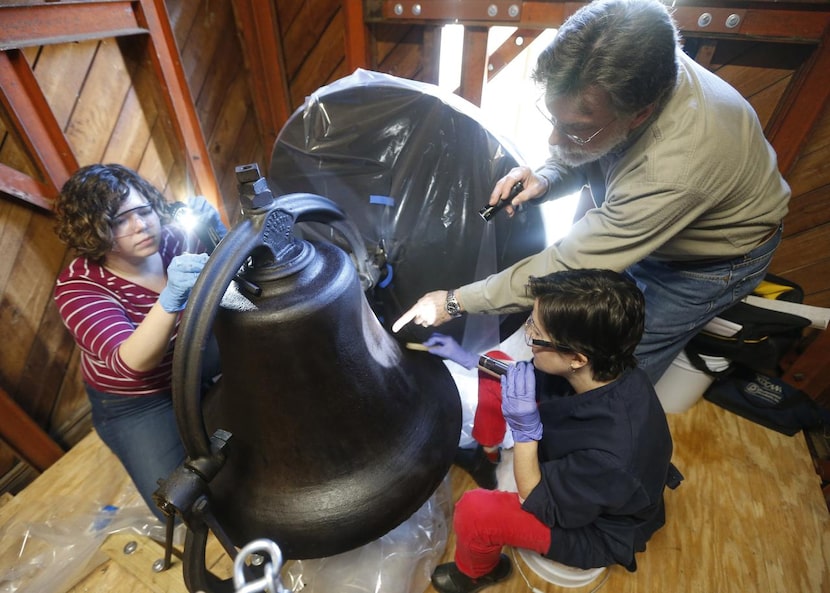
704, 20
492, 10
416, 9
158, 565
732, 21
398, 9
513, 11
130, 547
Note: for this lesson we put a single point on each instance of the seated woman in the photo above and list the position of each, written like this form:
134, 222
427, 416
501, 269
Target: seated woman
592, 451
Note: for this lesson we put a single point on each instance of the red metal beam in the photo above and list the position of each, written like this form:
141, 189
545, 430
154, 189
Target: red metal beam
22, 26
35, 124
24, 436
508, 50
799, 111
164, 56
474, 61
20, 185
260, 35
356, 46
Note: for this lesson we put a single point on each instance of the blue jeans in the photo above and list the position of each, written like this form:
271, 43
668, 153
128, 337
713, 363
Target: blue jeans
142, 433
682, 297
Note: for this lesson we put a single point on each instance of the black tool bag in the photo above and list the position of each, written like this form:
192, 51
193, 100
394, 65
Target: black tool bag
767, 401
751, 386
764, 337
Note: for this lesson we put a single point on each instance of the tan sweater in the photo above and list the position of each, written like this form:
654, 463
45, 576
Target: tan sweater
699, 182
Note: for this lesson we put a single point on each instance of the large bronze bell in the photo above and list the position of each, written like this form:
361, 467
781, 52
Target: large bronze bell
336, 433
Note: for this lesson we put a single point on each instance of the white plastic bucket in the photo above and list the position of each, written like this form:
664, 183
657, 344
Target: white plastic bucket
682, 385
557, 573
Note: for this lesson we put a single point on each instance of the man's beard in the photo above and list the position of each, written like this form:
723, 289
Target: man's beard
575, 155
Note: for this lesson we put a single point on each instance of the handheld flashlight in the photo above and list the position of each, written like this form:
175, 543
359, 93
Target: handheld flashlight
489, 211
493, 365
191, 222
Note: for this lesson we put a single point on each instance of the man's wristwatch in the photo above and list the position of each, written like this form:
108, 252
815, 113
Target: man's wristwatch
453, 308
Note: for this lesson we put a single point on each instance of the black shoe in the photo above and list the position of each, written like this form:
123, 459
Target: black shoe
476, 463
446, 578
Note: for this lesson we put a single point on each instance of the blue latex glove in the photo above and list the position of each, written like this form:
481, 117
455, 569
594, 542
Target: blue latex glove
446, 347
181, 276
518, 402
204, 210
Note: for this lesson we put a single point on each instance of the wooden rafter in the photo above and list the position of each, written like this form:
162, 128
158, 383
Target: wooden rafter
259, 33
167, 63
801, 108
45, 24
23, 26
507, 51
41, 134
474, 60
24, 436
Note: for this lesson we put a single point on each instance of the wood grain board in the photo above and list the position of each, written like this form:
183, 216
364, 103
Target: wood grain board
749, 516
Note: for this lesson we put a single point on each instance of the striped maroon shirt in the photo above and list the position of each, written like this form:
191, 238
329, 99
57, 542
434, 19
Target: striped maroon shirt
101, 310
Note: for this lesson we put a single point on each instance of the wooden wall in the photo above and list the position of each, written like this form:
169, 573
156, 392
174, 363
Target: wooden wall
106, 99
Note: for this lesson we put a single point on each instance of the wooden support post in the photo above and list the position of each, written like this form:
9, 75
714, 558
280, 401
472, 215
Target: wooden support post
24, 436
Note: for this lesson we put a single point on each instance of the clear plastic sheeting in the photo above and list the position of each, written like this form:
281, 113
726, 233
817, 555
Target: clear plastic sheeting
411, 165
53, 555
400, 561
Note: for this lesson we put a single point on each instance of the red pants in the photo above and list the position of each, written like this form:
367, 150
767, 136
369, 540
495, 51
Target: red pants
487, 520
488, 424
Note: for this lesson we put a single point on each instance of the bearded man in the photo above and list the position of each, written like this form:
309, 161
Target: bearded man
687, 196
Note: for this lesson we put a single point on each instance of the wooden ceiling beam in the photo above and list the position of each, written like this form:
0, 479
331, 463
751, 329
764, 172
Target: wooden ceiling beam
259, 33
37, 128
32, 116
164, 56
507, 51
799, 111
25, 436
474, 60
27, 26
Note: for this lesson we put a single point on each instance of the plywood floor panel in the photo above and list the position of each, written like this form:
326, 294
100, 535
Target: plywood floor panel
748, 517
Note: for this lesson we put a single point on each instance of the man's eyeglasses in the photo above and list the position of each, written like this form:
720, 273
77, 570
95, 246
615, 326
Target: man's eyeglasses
531, 330
543, 109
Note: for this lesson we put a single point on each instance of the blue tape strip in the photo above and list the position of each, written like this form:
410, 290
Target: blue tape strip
382, 200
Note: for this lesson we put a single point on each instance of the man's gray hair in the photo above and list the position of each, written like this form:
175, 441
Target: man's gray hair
626, 47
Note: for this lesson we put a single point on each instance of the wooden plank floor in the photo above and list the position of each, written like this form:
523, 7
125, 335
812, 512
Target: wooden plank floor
749, 517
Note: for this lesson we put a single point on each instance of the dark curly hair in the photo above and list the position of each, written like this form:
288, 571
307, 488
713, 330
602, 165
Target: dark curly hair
598, 313
89, 201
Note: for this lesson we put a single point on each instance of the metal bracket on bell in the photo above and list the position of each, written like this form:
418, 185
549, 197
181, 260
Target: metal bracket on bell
184, 493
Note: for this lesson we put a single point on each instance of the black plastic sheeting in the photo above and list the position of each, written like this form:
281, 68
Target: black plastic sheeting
411, 165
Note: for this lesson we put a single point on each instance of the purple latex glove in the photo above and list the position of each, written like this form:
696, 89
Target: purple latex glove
446, 347
518, 402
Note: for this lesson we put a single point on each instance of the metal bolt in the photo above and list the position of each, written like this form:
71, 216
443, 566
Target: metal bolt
733, 20
130, 547
513, 11
158, 565
257, 559
416, 9
398, 9
704, 20
492, 10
